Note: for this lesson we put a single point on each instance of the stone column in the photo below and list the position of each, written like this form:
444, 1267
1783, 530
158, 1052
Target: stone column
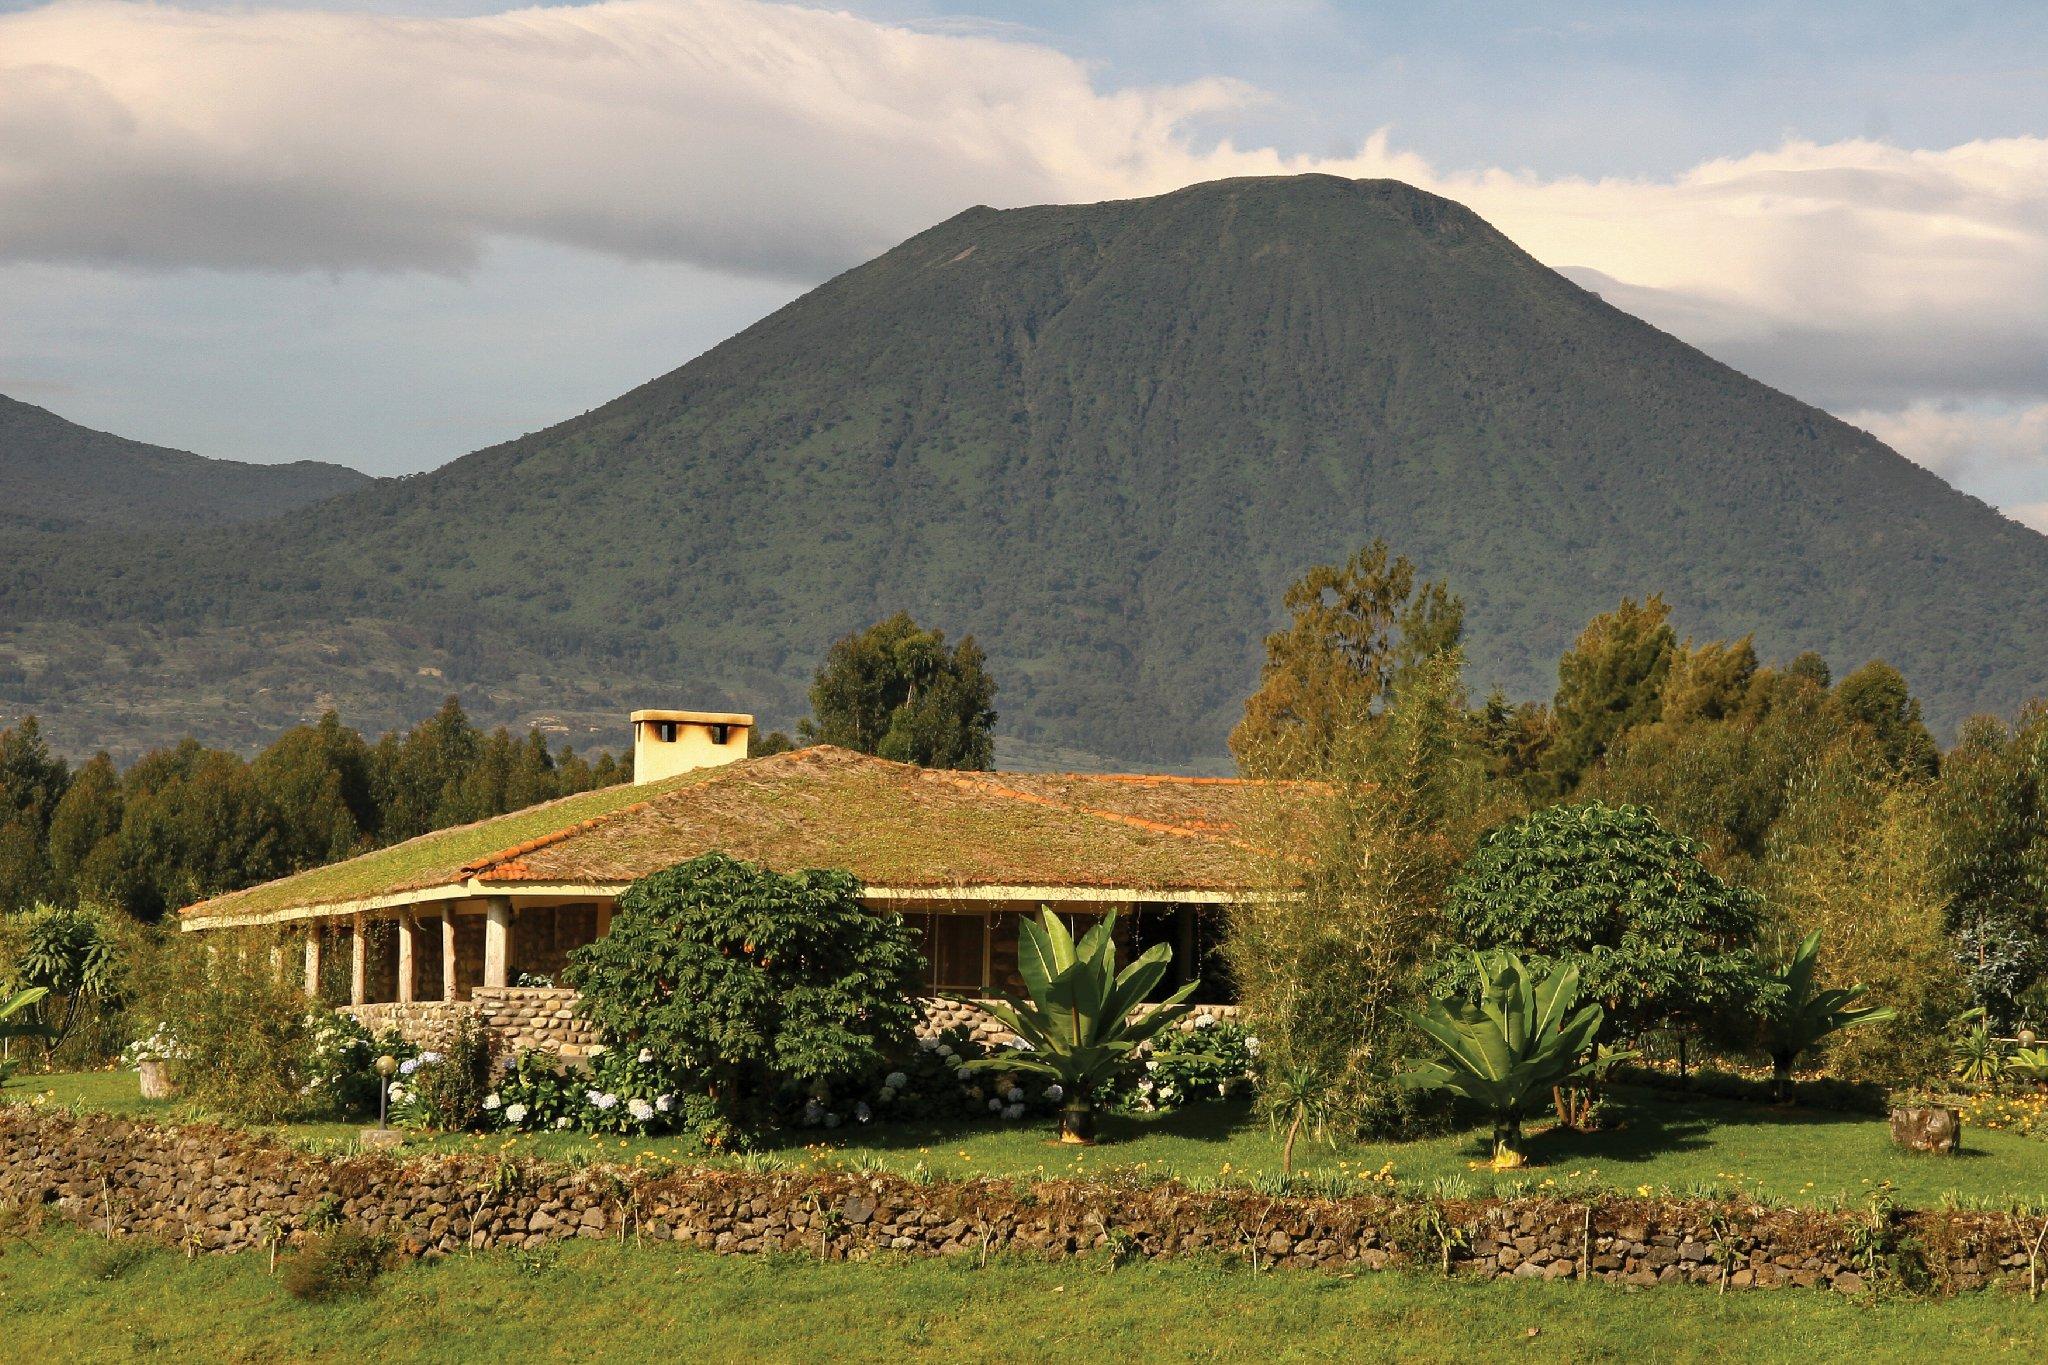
497, 939
604, 918
405, 957
448, 986
358, 967
313, 934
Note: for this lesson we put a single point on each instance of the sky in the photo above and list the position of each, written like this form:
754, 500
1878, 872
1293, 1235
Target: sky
386, 234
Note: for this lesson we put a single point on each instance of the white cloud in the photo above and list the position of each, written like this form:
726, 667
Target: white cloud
1959, 442
790, 142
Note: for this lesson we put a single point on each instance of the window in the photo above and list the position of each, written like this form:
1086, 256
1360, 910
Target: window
667, 730
953, 948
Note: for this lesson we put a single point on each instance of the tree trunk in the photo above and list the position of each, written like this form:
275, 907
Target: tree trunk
1781, 1077
1287, 1148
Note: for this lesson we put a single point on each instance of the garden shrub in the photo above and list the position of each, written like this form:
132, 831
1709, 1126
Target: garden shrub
81, 955
446, 1090
343, 1263
238, 1012
1211, 1060
739, 982
342, 1078
1657, 938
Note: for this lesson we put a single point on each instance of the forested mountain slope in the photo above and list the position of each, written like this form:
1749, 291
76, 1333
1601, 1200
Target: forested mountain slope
1101, 438
58, 476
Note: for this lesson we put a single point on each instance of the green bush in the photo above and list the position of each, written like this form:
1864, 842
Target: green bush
239, 1015
739, 983
446, 1089
344, 1263
1212, 1060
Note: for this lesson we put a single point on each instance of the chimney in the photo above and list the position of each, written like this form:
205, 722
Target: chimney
669, 742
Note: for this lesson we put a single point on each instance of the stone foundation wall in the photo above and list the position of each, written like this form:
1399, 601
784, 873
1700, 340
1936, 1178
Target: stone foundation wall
522, 1017
223, 1190
516, 1017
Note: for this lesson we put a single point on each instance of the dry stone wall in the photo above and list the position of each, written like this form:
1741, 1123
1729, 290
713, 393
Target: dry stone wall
223, 1190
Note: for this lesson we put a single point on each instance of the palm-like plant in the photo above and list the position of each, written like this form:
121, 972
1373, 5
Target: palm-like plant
15, 1022
1077, 1025
1297, 1098
1521, 1038
1803, 1014
1979, 1056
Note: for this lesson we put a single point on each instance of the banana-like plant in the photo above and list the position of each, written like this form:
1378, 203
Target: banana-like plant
1803, 1015
1507, 1051
1078, 1024
12, 1026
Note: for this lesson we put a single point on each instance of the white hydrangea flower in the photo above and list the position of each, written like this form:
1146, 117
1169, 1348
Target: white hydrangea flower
1013, 1112
430, 1058
664, 1103
563, 1122
928, 1044
646, 1054
408, 1066
1015, 1094
1251, 1043
945, 1049
398, 1093
1055, 1092
515, 1113
995, 1106
640, 1109
491, 1101
861, 1112
896, 1080
961, 1073
1205, 1021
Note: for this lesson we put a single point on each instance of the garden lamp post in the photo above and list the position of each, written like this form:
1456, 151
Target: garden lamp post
386, 1067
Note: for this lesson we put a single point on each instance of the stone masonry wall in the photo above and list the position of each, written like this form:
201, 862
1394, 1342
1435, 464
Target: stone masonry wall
222, 1190
516, 1017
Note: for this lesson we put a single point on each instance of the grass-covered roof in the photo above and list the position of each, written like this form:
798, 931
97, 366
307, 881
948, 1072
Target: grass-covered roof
890, 824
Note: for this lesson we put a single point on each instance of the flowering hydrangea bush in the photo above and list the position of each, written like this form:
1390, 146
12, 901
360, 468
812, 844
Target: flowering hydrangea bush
1212, 1059
930, 1081
160, 1046
341, 1077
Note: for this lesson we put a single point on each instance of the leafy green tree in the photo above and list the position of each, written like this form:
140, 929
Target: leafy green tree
32, 782
1520, 1038
1610, 680
1855, 857
1803, 1013
194, 823
1355, 630
1991, 805
1876, 698
418, 776
84, 831
317, 778
750, 982
1656, 938
1358, 857
1078, 1017
895, 690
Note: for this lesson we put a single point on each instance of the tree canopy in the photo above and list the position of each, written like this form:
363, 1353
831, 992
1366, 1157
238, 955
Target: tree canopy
896, 690
1657, 939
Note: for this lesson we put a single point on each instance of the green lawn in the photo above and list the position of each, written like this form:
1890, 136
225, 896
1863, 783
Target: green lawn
67, 1296
1790, 1155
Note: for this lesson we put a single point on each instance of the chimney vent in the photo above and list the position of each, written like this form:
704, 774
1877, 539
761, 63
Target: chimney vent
669, 742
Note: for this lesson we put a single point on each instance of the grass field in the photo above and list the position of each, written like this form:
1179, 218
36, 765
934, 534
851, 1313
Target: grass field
1789, 1155
67, 1296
